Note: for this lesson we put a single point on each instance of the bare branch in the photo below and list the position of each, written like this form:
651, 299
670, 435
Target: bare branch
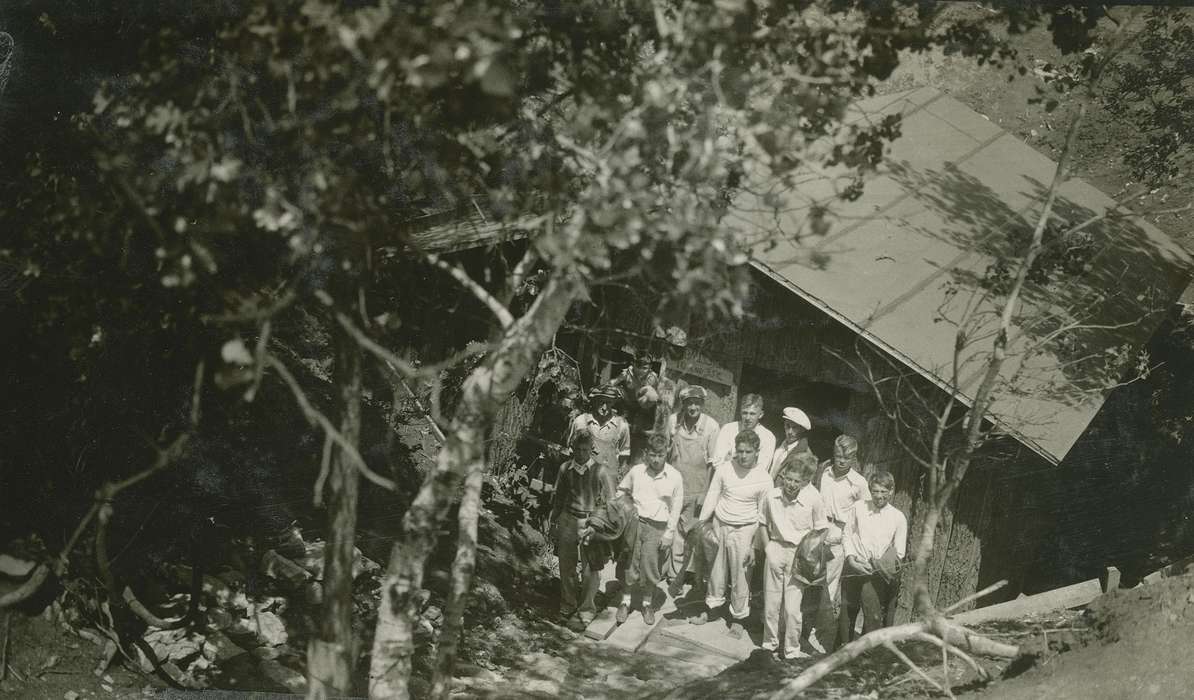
503, 315
917, 669
400, 366
975, 596
316, 418
259, 361
325, 460
148, 617
528, 261
946, 646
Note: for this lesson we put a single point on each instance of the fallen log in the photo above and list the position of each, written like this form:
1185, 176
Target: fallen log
1057, 599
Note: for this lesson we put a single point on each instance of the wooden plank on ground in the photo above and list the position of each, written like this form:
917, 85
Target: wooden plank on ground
710, 662
672, 637
1057, 599
631, 635
714, 637
603, 625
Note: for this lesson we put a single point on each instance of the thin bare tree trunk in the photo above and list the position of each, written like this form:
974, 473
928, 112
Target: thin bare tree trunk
331, 655
462, 580
463, 452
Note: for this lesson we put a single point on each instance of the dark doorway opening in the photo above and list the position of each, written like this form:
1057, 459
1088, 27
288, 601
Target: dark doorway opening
826, 404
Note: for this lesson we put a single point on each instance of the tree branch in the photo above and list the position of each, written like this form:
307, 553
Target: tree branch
917, 669
317, 419
503, 315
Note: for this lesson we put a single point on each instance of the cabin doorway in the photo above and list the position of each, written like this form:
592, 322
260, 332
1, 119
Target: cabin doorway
827, 405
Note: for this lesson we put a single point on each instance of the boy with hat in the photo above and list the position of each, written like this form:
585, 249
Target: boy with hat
639, 387
582, 486
694, 437
796, 427
611, 434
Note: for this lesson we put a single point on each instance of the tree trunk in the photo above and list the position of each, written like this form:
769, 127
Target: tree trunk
463, 452
331, 655
462, 580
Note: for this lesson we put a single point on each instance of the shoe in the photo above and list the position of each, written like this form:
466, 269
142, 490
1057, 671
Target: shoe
811, 644
566, 615
794, 655
699, 619
675, 587
578, 624
649, 615
737, 630
622, 614
769, 646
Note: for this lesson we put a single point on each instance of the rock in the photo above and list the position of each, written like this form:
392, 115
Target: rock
290, 679
270, 629
268, 652
218, 647
477, 673
545, 687
70, 695
279, 567
313, 561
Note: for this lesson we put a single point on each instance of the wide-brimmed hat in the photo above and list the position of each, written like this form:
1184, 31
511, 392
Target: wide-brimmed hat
692, 391
795, 415
604, 391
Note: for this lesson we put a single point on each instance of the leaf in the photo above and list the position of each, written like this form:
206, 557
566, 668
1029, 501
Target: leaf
497, 79
234, 352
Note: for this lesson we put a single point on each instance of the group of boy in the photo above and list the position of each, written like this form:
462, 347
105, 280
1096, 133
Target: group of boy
703, 499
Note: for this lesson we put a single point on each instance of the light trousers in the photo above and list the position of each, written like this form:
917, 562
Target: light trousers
725, 552
833, 567
782, 596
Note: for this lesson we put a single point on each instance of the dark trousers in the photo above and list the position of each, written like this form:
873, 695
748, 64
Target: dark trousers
576, 591
644, 572
871, 595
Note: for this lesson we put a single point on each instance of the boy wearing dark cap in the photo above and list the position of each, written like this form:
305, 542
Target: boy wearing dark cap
582, 486
694, 437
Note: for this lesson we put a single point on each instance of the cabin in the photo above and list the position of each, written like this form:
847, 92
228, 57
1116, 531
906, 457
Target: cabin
859, 323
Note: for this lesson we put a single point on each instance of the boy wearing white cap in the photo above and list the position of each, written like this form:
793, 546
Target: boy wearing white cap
796, 427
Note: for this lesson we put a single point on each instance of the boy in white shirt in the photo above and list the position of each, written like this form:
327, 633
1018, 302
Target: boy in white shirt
791, 512
750, 414
841, 486
875, 542
658, 493
731, 516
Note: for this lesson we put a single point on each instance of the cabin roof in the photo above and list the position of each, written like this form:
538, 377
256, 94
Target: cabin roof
911, 261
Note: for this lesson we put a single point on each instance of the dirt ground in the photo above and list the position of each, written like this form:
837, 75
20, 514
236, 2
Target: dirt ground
1139, 648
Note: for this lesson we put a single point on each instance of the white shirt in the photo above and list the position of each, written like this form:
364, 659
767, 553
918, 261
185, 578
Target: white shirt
870, 531
789, 521
736, 497
656, 497
725, 443
840, 495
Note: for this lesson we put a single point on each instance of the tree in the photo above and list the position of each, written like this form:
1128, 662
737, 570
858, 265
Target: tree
266, 167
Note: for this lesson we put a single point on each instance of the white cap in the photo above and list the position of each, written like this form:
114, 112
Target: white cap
798, 417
